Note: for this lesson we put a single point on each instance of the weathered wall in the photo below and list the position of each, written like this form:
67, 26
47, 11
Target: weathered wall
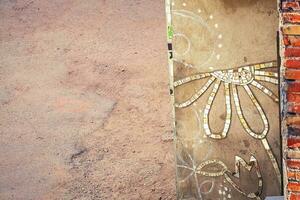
223, 61
290, 88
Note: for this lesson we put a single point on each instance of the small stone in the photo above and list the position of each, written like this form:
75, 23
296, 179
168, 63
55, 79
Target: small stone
106, 150
167, 137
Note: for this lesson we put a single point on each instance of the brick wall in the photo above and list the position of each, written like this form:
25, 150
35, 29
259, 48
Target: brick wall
290, 95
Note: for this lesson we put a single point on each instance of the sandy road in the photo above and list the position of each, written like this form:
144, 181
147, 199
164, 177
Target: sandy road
84, 100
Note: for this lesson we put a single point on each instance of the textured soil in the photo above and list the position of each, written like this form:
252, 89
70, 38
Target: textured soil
85, 110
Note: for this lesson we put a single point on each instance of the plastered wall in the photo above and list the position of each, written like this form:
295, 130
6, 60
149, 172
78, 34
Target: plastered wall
223, 62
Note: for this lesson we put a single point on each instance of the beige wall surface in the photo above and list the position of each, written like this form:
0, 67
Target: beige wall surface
226, 98
224, 34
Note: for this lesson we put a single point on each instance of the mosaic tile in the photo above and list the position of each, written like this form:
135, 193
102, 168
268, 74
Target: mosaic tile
225, 98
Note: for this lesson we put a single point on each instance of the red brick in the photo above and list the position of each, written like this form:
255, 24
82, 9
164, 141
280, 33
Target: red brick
293, 98
294, 108
293, 154
292, 64
293, 175
292, 74
294, 187
291, 40
293, 142
293, 18
294, 196
292, 52
293, 120
291, 5
293, 87
293, 164
291, 29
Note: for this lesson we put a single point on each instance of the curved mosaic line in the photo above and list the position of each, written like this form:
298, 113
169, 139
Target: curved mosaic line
202, 170
196, 96
249, 166
243, 77
241, 116
208, 108
265, 90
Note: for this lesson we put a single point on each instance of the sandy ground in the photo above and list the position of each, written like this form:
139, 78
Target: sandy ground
85, 111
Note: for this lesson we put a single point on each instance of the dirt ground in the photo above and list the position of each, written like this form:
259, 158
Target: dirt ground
85, 110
